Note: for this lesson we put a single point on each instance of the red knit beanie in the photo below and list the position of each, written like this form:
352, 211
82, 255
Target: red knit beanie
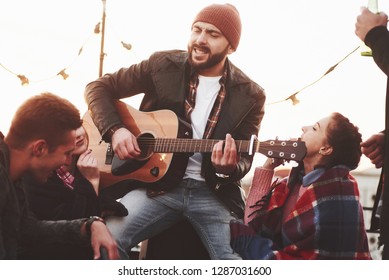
226, 18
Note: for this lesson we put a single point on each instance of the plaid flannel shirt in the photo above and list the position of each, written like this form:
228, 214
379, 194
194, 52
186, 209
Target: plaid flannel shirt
326, 223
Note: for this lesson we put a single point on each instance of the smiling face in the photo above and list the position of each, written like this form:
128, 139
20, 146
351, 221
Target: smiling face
82, 141
45, 161
208, 49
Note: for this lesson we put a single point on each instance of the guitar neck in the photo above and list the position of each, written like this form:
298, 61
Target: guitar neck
288, 150
162, 145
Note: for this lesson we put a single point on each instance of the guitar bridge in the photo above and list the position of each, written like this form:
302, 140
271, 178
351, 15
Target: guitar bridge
109, 154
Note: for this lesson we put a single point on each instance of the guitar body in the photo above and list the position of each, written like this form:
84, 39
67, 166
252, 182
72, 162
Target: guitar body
153, 166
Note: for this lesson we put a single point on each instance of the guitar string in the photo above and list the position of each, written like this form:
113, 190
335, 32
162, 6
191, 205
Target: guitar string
178, 140
191, 144
152, 142
208, 144
199, 143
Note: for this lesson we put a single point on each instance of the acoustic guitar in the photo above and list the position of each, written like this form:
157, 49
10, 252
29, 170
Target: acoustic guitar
166, 143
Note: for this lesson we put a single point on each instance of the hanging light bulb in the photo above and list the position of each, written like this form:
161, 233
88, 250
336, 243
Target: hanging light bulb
97, 28
294, 99
63, 74
126, 45
80, 51
23, 79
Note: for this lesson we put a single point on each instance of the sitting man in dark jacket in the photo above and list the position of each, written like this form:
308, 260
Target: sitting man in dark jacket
41, 139
71, 192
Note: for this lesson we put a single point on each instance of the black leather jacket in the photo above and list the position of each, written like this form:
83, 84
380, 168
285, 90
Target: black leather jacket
19, 226
164, 79
378, 40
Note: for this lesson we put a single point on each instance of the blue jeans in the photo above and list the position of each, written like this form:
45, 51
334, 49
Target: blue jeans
192, 200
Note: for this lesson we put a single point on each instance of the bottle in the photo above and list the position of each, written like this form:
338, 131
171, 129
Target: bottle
373, 7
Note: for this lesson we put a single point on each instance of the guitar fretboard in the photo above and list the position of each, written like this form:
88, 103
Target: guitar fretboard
288, 150
162, 145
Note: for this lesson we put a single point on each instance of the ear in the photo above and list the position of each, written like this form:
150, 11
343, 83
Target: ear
326, 150
230, 49
39, 148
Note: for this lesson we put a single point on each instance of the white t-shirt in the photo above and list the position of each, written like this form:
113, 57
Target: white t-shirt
206, 94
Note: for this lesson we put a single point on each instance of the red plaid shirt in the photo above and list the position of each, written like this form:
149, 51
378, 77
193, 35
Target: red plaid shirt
326, 222
66, 177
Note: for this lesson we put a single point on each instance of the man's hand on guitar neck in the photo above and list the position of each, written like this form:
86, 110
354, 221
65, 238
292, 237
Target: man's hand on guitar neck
124, 144
224, 156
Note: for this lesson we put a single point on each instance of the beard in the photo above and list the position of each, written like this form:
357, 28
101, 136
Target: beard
213, 59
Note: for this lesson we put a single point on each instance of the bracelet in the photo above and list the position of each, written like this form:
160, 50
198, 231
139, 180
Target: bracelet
221, 175
89, 223
112, 130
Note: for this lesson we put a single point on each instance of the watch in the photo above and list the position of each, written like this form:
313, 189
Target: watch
90, 221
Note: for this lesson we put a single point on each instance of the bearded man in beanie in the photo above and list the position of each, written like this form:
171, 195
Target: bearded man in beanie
218, 101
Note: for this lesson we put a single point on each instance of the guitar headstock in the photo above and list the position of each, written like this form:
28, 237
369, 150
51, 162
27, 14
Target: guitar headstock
287, 150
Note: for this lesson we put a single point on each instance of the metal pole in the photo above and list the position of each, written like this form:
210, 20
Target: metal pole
102, 54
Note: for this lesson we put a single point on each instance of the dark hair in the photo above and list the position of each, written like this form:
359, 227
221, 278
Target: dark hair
345, 139
44, 116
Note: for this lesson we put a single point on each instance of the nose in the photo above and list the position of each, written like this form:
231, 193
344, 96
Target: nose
201, 38
304, 128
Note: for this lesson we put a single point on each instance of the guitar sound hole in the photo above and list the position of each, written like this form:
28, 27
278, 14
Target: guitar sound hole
146, 144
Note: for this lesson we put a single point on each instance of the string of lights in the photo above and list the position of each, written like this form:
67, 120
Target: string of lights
62, 73
293, 97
